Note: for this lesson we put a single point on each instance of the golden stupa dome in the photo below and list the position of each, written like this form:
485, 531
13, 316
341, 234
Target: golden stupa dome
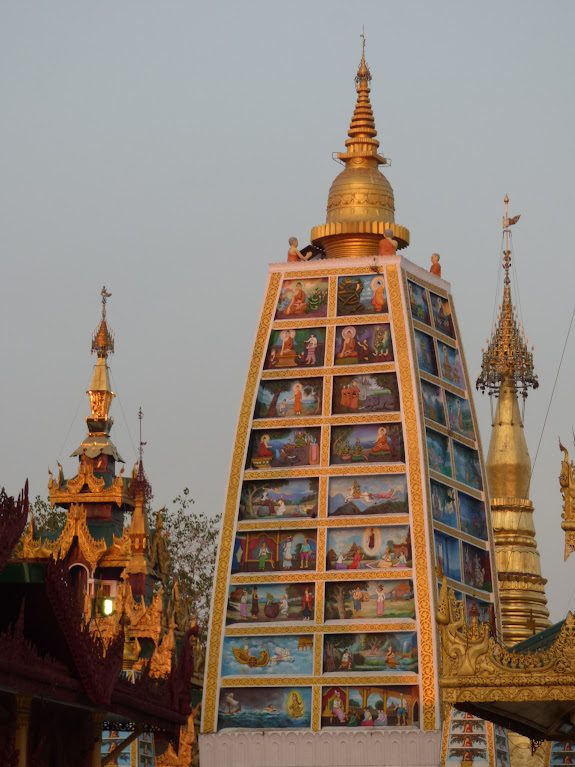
360, 204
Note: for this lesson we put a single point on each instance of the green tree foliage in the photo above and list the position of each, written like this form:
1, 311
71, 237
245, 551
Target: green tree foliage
46, 518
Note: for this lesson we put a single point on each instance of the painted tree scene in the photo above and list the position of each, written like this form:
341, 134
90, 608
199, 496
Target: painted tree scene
389, 706
369, 600
264, 708
418, 302
438, 455
275, 550
283, 448
367, 443
270, 603
450, 365
447, 555
296, 348
363, 344
442, 315
374, 393
467, 466
267, 655
459, 415
433, 402
289, 397
303, 298
367, 495
426, 357
369, 548
476, 567
282, 497
380, 652
364, 294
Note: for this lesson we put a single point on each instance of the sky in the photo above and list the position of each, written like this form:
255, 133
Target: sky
168, 150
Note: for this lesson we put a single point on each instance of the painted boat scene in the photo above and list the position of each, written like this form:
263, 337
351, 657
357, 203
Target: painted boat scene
264, 708
267, 655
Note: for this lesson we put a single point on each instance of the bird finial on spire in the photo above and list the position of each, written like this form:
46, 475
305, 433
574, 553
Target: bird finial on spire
103, 337
363, 72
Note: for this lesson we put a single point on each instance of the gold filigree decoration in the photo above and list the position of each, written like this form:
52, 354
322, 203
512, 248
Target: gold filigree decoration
329, 522
567, 486
332, 471
332, 305
320, 628
328, 680
316, 709
228, 523
306, 422
364, 319
331, 575
419, 541
437, 334
329, 346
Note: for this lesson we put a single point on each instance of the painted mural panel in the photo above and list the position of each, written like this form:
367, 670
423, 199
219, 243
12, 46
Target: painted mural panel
447, 555
364, 294
274, 550
450, 366
289, 397
282, 448
442, 315
426, 357
282, 497
363, 344
367, 443
438, 456
267, 655
443, 503
501, 747
369, 548
467, 466
476, 568
562, 753
379, 600
472, 516
374, 393
304, 347
418, 303
380, 652
367, 494
302, 298
433, 402
264, 708
270, 603
467, 740
459, 415
385, 706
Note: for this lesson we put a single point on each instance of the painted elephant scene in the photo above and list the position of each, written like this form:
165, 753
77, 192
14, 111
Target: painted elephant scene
438, 455
472, 516
418, 303
381, 706
476, 568
447, 555
283, 448
267, 655
302, 298
450, 365
361, 600
459, 415
374, 393
363, 344
274, 550
270, 603
433, 398
364, 294
273, 498
379, 652
367, 495
264, 708
467, 466
289, 397
367, 443
296, 348
426, 357
368, 548
443, 504
442, 315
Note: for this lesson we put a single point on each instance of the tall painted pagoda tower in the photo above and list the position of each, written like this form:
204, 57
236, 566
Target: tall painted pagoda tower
357, 484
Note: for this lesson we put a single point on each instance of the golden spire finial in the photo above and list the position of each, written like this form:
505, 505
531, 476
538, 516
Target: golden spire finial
507, 356
103, 337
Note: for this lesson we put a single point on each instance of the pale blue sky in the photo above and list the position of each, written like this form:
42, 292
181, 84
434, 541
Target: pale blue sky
169, 149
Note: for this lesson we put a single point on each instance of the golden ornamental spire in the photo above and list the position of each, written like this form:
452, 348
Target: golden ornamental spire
360, 204
103, 337
507, 356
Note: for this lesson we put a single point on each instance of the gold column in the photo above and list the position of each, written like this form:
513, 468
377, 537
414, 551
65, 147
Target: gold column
521, 587
23, 704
